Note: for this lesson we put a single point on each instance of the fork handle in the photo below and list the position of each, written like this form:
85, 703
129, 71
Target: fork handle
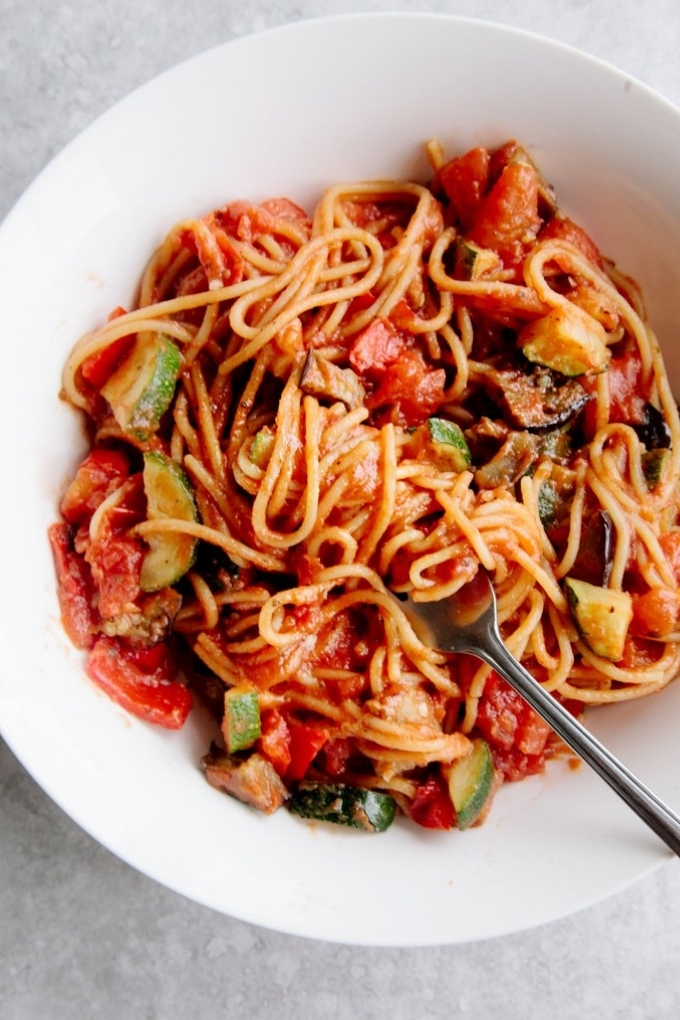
657, 815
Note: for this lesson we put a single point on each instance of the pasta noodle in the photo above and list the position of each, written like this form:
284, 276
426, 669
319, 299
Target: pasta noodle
304, 416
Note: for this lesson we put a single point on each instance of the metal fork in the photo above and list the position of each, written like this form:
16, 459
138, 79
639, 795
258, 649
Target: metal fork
468, 622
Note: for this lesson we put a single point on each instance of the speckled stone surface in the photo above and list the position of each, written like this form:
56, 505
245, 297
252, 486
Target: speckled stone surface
83, 935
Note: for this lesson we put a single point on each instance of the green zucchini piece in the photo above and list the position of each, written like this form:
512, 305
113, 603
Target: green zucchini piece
168, 495
261, 447
471, 783
653, 465
241, 721
473, 261
602, 616
370, 810
449, 443
143, 386
568, 340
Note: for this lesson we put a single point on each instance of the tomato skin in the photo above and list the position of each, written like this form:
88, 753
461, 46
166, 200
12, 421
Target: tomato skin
75, 588
432, 807
507, 220
111, 668
655, 613
274, 740
305, 743
465, 180
626, 389
100, 473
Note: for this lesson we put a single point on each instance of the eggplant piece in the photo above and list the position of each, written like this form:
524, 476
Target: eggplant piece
539, 400
322, 378
254, 780
150, 622
653, 433
593, 562
515, 457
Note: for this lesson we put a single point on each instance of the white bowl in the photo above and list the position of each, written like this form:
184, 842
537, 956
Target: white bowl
287, 113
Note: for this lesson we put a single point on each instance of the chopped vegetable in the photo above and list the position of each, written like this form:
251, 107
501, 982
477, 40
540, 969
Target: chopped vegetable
142, 387
471, 783
654, 464
114, 668
262, 446
653, 432
602, 616
515, 457
594, 559
370, 810
473, 261
252, 780
432, 806
449, 444
322, 378
567, 340
537, 400
241, 722
169, 495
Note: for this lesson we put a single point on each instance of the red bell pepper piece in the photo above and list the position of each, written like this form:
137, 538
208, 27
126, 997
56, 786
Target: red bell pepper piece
111, 667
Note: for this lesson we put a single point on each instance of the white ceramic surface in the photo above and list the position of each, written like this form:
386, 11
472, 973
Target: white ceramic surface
342, 98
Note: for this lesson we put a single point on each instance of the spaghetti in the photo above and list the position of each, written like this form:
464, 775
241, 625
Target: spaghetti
303, 416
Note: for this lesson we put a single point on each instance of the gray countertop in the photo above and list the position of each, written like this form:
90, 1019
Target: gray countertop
82, 934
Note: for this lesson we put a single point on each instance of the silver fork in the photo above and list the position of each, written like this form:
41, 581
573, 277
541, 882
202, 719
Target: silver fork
468, 622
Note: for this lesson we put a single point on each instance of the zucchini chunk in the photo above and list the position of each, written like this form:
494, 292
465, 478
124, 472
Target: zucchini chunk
568, 340
241, 722
471, 783
142, 387
602, 616
449, 444
370, 810
473, 261
653, 465
168, 495
261, 447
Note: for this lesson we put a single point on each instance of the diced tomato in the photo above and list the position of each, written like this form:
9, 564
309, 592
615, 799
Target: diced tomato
274, 740
670, 543
639, 652
507, 721
561, 228
465, 180
284, 209
514, 765
410, 388
507, 220
360, 303
432, 806
627, 395
111, 667
306, 741
655, 613
376, 348
75, 588
98, 367
100, 474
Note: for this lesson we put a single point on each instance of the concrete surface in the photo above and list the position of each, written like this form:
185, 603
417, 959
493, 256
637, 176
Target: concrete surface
81, 934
